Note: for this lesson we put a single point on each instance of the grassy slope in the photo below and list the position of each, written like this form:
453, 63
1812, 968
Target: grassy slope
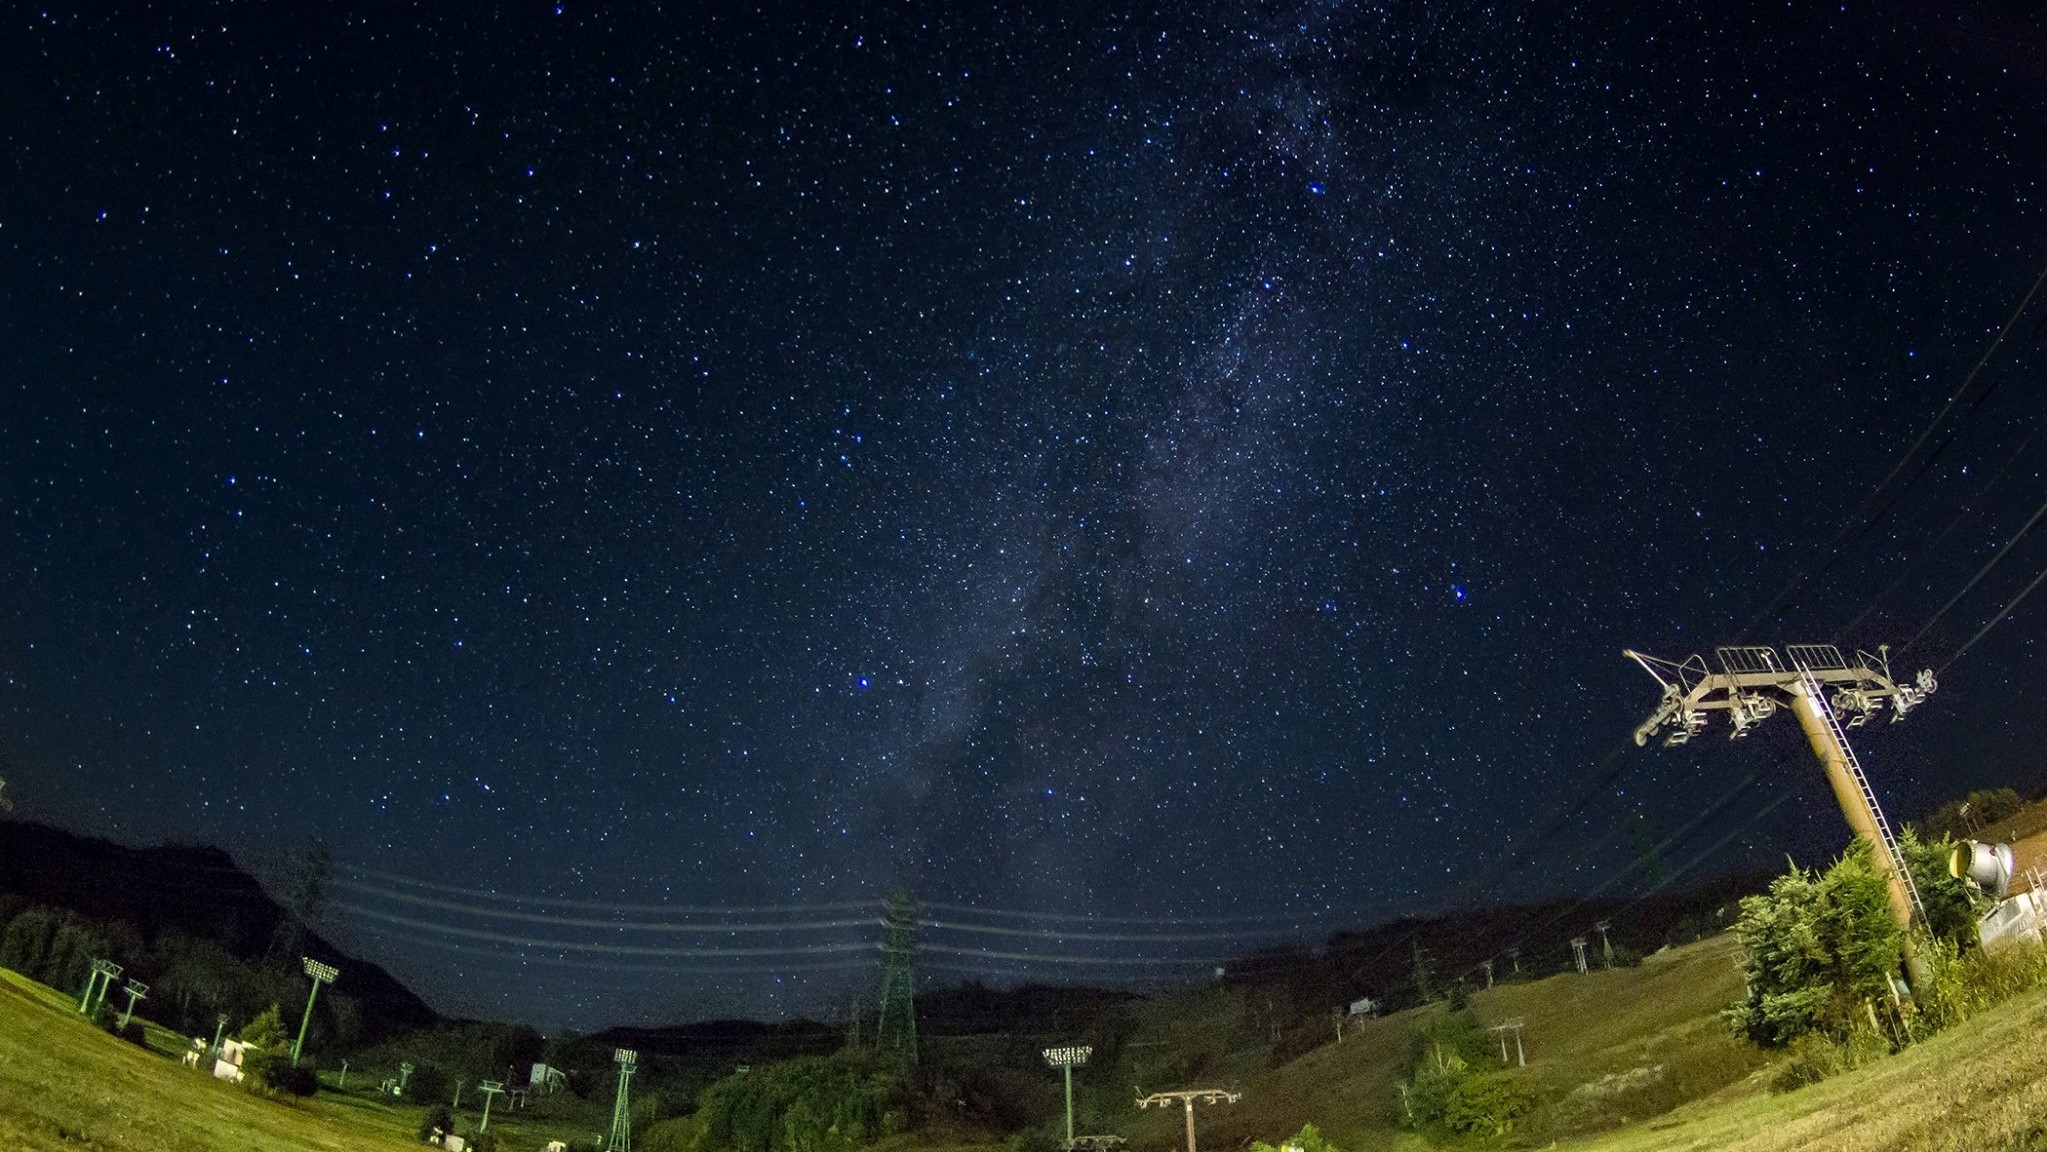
1980, 1086
1603, 1049
1635, 1060
67, 1085
2026, 832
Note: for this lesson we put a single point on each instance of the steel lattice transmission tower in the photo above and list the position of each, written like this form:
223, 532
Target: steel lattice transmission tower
1820, 686
621, 1139
895, 1028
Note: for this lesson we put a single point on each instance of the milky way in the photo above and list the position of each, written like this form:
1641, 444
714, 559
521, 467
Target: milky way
1176, 464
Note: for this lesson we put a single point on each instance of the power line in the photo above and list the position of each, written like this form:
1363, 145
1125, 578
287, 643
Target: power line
715, 927
2005, 611
577, 946
581, 962
564, 902
587, 922
976, 910
1832, 550
1980, 573
1279, 918
1933, 547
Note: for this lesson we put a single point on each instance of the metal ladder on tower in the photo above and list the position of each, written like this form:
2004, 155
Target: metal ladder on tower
1811, 685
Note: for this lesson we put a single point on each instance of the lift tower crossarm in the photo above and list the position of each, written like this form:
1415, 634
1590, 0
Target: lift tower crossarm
1753, 682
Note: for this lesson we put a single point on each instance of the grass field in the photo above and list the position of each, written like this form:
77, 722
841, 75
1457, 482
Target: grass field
1629, 1060
66, 1086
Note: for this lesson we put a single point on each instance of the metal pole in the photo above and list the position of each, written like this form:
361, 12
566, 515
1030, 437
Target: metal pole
219, 1026
1189, 1101
343, 1086
305, 1024
1834, 759
1862, 818
1069, 1105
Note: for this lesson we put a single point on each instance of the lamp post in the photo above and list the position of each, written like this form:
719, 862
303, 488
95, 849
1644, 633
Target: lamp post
321, 974
1066, 1059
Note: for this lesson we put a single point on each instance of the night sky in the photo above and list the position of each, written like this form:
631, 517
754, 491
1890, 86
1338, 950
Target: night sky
1189, 470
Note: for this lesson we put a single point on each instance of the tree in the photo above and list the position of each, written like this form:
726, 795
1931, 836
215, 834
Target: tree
266, 1032
1961, 819
27, 940
1816, 949
199, 977
1950, 913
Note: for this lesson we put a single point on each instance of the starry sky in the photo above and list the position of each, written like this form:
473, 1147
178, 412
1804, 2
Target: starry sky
1151, 478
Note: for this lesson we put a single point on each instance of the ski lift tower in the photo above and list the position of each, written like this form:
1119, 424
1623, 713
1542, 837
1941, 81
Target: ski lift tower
1820, 686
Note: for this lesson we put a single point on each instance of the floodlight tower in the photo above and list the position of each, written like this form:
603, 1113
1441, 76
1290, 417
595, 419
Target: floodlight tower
621, 1116
1066, 1059
321, 974
1819, 684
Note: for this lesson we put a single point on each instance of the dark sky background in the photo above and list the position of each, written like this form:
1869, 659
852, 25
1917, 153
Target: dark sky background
1152, 466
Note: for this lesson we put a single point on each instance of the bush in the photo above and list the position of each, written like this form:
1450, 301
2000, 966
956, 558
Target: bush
438, 1118
677, 1134
1455, 1086
1817, 950
484, 1141
1041, 1138
273, 1070
303, 1080
1962, 984
829, 1104
429, 1084
1814, 1057
1308, 1139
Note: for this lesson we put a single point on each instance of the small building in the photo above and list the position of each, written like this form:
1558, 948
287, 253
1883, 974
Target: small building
2018, 918
228, 1065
